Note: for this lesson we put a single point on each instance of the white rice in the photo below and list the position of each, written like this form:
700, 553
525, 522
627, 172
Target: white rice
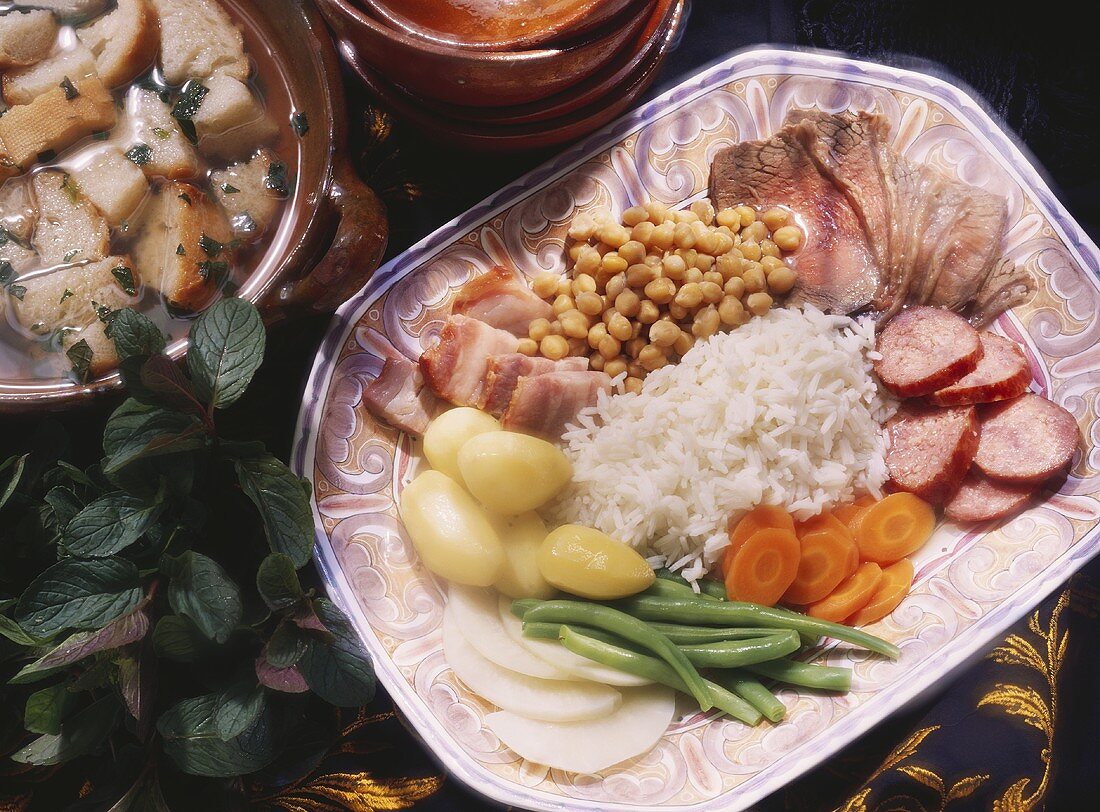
783, 411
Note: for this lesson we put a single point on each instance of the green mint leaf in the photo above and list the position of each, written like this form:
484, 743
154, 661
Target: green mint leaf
277, 582
211, 246
78, 595
108, 525
47, 708
18, 465
237, 709
300, 124
132, 435
70, 90
162, 133
339, 671
140, 154
277, 179
121, 632
80, 356
64, 503
125, 277
79, 735
135, 334
189, 733
178, 638
14, 632
287, 645
227, 347
229, 189
283, 505
65, 295
188, 103
68, 258
162, 378
200, 589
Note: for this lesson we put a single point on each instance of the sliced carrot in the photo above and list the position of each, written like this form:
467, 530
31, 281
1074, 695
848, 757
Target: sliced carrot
822, 521
758, 518
896, 580
852, 513
764, 567
851, 596
826, 560
895, 527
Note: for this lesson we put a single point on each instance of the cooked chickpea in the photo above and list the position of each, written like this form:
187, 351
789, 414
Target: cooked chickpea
706, 323
590, 303
596, 362
619, 327
664, 236
684, 236
704, 262
774, 218
640, 275
653, 261
746, 215
632, 251
686, 216
684, 343
690, 295
769, 248
555, 328
723, 242
583, 283
664, 333
788, 238
578, 347
712, 292
613, 234
751, 250
634, 215
781, 280
539, 329
554, 347
693, 274
759, 303
652, 357
636, 370
706, 243
609, 348
528, 346
771, 263
574, 251
734, 287
731, 311
596, 334
677, 311
673, 266
729, 218
562, 303
545, 284
757, 231
648, 312
583, 228
704, 211
574, 324
615, 286
613, 264
658, 212
730, 264
643, 233
615, 367
633, 385
715, 277
601, 215
634, 346
755, 281
628, 303
661, 290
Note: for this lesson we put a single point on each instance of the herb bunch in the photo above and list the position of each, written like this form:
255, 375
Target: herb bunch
150, 604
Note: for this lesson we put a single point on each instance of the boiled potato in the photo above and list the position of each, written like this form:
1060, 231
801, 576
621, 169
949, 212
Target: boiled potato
522, 536
586, 562
511, 473
450, 531
447, 434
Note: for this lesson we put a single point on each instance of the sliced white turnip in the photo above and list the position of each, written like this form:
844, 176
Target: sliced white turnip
560, 657
475, 610
588, 747
548, 700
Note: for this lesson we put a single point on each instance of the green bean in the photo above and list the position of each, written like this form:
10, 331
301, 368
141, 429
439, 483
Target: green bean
697, 635
731, 654
666, 577
754, 692
552, 631
651, 668
736, 613
627, 627
806, 675
521, 605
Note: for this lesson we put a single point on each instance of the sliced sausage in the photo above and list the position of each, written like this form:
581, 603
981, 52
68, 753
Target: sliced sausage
1026, 440
981, 499
924, 349
931, 449
1001, 374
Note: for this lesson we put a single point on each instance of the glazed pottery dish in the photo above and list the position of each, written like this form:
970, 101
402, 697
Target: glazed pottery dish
138, 170
673, 468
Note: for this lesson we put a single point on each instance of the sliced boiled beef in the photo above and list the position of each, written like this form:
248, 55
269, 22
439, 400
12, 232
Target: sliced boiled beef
544, 405
1001, 374
980, 499
1026, 440
455, 367
503, 300
399, 397
924, 349
505, 371
837, 270
1006, 286
931, 449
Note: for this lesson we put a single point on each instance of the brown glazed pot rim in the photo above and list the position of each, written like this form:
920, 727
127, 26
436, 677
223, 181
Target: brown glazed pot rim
307, 268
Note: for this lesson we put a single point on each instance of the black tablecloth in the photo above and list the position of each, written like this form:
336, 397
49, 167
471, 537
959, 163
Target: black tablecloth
1015, 731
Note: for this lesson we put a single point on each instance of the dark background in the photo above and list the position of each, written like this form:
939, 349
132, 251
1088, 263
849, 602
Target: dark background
1035, 68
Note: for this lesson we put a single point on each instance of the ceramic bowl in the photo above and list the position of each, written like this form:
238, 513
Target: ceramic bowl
335, 232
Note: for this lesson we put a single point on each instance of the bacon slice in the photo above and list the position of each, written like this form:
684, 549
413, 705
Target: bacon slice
931, 449
1026, 440
399, 397
924, 349
455, 367
545, 404
502, 300
1001, 374
505, 372
980, 499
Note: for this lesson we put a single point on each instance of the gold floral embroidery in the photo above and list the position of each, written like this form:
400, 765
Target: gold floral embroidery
357, 792
1027, 703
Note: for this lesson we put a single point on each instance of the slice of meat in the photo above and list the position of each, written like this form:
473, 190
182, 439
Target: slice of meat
1007, 286
1001, 374
836, 267
500, 299
980, 499
931, 449
545, 404
912, 187
973, 245
1026, 440
505, 371
455, 367
399, 397
924, 349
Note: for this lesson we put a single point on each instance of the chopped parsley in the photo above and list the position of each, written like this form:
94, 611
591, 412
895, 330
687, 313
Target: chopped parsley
125, 277
161, 133
229, 189
188, 103
80, 355
209, 269
70, 254
7, 280
300, 124
18, 291
140, 154
211, 246
65, 295
181, 251
70, 90
104, 313
276, 179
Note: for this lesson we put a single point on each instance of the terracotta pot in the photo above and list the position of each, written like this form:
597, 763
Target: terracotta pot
470, 77
536, 24
335, 232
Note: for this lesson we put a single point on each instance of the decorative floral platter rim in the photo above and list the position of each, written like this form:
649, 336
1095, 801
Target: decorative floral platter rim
979, 582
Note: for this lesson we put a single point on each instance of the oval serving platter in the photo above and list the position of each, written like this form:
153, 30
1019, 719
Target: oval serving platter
971, 585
